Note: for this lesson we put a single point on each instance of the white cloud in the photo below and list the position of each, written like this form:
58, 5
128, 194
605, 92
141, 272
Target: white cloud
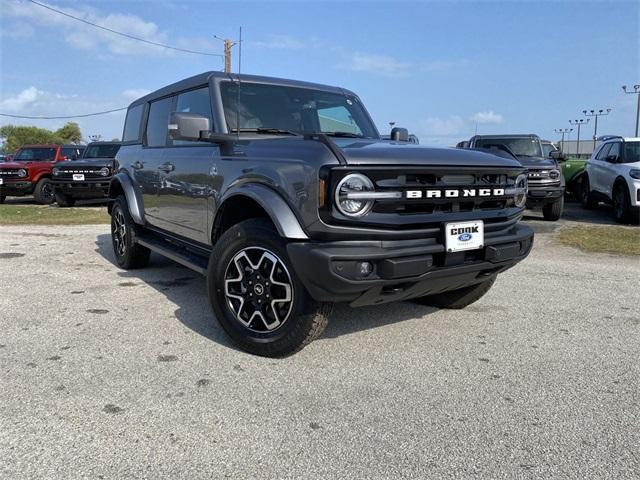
487, 118
376, 64
87, 37
21, 100
284, 42
443, 127
135, 93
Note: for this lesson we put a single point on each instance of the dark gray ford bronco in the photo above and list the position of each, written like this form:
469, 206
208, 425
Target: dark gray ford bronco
284, 196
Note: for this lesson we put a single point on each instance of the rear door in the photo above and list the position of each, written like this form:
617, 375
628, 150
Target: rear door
148, 173
597, 171
189, 173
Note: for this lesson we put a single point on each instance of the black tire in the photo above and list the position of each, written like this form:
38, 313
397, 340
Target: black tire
586, 198
249, 255
43, 192
2, 199
553, 211
64, 200
128, 253
623, 212
457, 299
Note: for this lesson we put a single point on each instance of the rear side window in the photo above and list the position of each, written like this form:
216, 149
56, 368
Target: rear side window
132, 124
158, 122
194, 101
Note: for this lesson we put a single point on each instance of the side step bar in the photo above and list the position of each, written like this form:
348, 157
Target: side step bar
178, 254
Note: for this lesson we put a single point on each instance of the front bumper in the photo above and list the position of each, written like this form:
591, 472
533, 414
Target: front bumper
401, 269
16, 188
85, 189
540, 195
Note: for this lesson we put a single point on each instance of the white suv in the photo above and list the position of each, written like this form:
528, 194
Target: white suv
612, 175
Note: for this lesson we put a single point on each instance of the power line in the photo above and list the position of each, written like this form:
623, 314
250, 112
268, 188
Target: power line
59, 117
131, 37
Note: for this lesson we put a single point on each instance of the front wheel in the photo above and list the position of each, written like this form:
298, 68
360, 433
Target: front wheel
553, 211
622, 209
64, 200
457, 299
43, 192
256, 295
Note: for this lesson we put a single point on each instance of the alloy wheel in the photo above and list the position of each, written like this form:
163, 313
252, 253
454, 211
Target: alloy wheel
258, 289
119, 232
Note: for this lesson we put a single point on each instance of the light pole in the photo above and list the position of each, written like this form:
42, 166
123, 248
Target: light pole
636, 91
579, 123
596, 113
563, 131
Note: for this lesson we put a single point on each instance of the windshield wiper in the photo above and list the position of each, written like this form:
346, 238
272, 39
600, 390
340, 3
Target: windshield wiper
268, 131
343, 134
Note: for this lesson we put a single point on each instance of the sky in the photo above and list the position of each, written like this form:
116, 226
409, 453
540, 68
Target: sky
440, 69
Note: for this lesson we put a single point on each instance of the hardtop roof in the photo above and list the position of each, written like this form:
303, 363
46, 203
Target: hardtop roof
203, 78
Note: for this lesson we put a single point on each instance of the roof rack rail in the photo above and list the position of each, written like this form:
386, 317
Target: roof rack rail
604, 138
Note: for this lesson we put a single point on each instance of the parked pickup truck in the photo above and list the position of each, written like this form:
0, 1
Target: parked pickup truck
87, 177
546, 182
249, 181
29, 172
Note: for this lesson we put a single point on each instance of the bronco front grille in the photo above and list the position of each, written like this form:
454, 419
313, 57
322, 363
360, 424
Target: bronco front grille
88, 172
10, 172
430, 197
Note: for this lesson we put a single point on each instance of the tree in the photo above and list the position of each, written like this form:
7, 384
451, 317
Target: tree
15, 136
70, 133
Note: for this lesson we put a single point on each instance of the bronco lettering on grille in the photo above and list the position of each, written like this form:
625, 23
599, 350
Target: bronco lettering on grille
456, 193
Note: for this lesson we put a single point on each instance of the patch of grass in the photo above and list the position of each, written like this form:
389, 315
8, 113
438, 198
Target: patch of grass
619, 240
52, 215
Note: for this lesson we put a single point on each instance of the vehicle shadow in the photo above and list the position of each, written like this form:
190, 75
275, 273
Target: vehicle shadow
188, 291
573, 212
95, 202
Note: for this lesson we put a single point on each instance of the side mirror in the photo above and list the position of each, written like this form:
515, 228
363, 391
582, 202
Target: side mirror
188, 126
64, 158
557, 155
399, 134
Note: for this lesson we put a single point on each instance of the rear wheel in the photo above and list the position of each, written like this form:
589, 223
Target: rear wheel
2, 198
553, 211
256, 295
128, 253
586, 198
457, 299
64, 200
43, 192
622, 209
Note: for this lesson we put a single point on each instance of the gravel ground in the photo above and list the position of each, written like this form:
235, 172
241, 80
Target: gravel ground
113, 374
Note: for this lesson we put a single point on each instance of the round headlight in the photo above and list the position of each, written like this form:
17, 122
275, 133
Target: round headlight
352, 184
554, 174
520, 190
22, 172
104, 171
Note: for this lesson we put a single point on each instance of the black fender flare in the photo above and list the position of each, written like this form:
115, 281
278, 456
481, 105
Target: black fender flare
276, 207
121, 181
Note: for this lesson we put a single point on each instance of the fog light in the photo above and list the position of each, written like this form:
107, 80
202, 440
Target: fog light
365, 268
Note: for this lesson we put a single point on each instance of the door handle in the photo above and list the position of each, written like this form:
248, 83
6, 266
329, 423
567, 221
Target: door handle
137, 165
166, 167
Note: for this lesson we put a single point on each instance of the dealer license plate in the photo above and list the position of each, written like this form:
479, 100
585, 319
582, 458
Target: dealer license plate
1, 181
78, 177
464, 236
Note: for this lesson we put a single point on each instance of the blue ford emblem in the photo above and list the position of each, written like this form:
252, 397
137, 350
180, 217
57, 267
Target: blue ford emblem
465, 237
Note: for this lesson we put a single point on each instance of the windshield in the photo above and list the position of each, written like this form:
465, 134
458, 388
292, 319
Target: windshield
276, 108
101, 151
547, 148
631, 152
44, 154
520, 146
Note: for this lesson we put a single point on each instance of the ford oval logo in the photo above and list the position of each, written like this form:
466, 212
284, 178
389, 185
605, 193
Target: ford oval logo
465, 237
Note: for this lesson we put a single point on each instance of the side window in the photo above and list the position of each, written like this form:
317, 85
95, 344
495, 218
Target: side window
132, 124
337, 119
158, 122
614, 150
602, 154
194, 101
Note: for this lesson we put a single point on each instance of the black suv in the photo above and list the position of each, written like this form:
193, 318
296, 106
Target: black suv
546, 182
284, 196
88, 177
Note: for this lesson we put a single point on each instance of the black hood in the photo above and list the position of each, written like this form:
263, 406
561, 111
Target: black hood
381, 152
87, 162
537, 162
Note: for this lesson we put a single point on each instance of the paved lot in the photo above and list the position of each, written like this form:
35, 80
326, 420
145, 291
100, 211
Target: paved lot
113, 374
